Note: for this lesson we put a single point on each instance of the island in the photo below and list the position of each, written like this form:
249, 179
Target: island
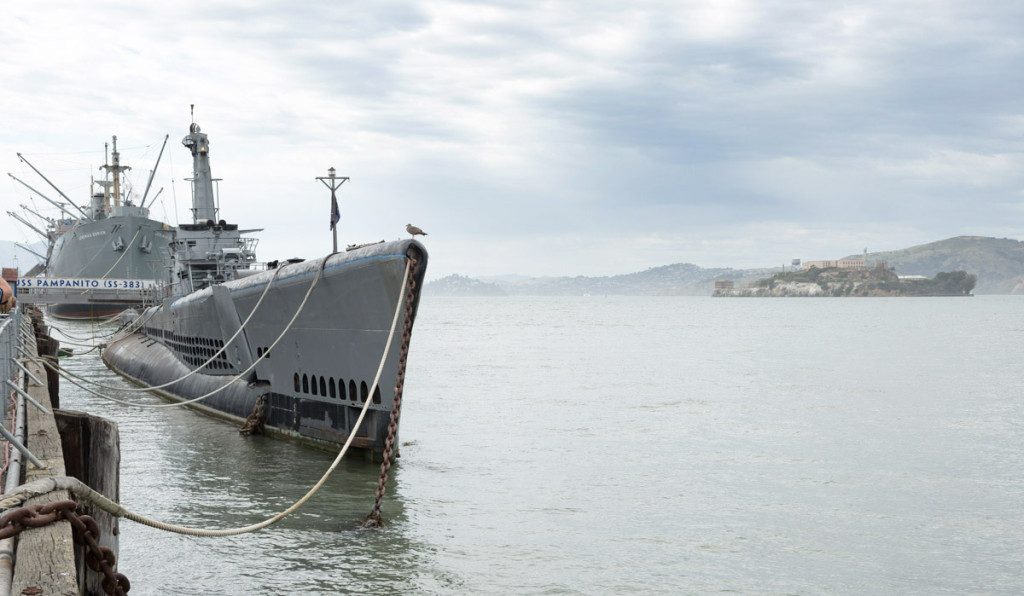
880, 280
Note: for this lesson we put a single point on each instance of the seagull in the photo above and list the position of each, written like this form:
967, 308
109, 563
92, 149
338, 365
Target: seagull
414, 230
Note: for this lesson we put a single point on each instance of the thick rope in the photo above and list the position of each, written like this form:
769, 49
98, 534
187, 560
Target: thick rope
231, 379
126, 330
132, 326
82, 491
91, 337
72, 336
64, 342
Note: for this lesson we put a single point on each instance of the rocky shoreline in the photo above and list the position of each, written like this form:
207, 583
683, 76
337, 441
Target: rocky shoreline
863, 282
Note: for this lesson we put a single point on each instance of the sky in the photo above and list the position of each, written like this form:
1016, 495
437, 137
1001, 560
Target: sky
537, 138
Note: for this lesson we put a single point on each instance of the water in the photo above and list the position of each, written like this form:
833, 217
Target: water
625, 446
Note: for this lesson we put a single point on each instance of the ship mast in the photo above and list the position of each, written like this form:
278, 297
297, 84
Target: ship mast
203, 208
115, 168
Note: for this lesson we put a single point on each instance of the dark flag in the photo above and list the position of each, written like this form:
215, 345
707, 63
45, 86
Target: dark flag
335, 213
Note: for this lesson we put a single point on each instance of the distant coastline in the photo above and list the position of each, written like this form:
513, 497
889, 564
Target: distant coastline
996, 263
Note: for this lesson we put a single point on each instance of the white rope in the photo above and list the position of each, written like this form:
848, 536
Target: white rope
127, 330
124, 331
71, 336
231, 379
92, 324
81, 490
105, 320
137, 323
65, 342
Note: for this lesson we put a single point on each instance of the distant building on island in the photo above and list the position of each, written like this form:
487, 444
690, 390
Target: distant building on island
857, 263
840, 264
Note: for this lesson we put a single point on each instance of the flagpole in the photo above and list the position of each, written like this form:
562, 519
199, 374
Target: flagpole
334, 183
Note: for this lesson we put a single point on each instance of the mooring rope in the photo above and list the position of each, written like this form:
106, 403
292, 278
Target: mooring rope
94, 323
84, 492
65, 335
105, 320
231, 379
93, 336
77, 344
136, 324
127, 330
227, 343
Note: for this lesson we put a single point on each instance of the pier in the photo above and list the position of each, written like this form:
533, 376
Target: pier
38, 552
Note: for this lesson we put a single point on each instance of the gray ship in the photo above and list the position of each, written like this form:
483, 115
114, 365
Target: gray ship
291, 348
113, 239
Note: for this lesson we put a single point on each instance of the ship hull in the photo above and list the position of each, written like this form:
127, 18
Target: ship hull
310, 386
119, 247
86, 311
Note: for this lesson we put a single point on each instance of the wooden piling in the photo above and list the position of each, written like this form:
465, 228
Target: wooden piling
92, 453
49, 349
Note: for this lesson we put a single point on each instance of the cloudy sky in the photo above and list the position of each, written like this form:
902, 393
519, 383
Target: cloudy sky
541, 138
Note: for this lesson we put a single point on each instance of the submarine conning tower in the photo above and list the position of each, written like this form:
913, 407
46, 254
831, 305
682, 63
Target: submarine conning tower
203, 207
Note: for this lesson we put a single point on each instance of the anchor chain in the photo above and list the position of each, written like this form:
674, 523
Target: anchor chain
374, 520
254, 422
85, 532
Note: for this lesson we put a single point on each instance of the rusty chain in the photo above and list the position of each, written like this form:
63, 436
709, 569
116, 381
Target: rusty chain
85, 532
374, 520
255, 422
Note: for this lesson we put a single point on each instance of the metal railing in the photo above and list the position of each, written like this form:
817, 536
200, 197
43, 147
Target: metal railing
10, 339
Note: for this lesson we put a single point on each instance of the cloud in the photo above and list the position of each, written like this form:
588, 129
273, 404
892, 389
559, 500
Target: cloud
670, 131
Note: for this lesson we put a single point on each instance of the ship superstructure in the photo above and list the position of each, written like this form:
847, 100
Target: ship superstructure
209, 250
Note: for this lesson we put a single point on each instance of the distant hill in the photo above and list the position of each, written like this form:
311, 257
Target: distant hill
458, 285
998, 264
682, 279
